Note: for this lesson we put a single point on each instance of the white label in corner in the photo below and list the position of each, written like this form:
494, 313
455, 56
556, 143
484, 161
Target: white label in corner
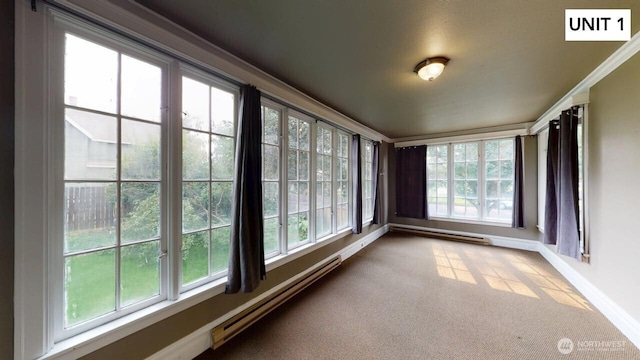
597, 24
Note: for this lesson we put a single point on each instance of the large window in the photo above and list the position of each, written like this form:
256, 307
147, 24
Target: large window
499, 178
344, 185
438, 180
367, 190
271, 119
471, 180
208, 122
298, 176
113, 180
324, 181
134, 183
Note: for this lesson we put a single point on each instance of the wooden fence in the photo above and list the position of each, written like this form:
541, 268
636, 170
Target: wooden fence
89, 206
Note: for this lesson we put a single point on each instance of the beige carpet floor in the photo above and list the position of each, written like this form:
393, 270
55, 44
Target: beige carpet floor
409, 297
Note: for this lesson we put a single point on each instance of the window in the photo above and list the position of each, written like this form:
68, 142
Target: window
271, 118
324, 181
438, 180
208, 150
482, 176
367, 185
114, 182
499, 178
298, 182
344, 185
465, 181
138, 165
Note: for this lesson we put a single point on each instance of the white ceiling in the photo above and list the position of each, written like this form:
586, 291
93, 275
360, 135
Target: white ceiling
509, 61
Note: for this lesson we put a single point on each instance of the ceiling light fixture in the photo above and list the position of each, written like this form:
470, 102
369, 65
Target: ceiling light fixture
431, 68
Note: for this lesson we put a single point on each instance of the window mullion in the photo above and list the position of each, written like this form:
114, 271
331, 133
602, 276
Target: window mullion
481, 180
173, 218
118, 183
334, 181
450, 176
313, 172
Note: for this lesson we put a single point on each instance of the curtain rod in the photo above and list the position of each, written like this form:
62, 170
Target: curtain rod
208, 70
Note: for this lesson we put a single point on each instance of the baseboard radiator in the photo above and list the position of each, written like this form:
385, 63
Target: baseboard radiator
232, 327
443, 235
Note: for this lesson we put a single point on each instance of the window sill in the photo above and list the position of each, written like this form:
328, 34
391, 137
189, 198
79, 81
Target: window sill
103, 335
471, 221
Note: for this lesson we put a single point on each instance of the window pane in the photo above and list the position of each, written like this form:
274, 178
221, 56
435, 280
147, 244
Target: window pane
304, 135
460, 171
459, 152
222, 112
90, 286
442, 172
91, 75
195, 104
506, 170
292, 232
222, 154
140, 272
292, 168
326, 142
293, 133
195, 206
90, 146
343, 216
472, 152
195, 258
492, 170
140, 211
303, 196
506, 149
303, 165
141, 89
140, 151
292, 197
271, 161
271, 126
195, 155
270, 195
491, 150
220, 250
221, 203
326, 168
90, 216
271, 237
303, 226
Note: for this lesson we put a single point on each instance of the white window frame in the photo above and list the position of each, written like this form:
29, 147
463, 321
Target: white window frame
60, 26
285, 148
176, 166
481, 219
282, 194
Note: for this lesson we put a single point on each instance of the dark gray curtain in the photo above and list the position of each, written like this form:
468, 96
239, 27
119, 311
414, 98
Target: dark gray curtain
356, 172
411, 182
568, 221
561, 208
375, 189
246, 249
517, 216
551, 202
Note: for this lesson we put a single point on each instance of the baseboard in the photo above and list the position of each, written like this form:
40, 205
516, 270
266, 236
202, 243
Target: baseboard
627, 325
198, 341
500, 241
